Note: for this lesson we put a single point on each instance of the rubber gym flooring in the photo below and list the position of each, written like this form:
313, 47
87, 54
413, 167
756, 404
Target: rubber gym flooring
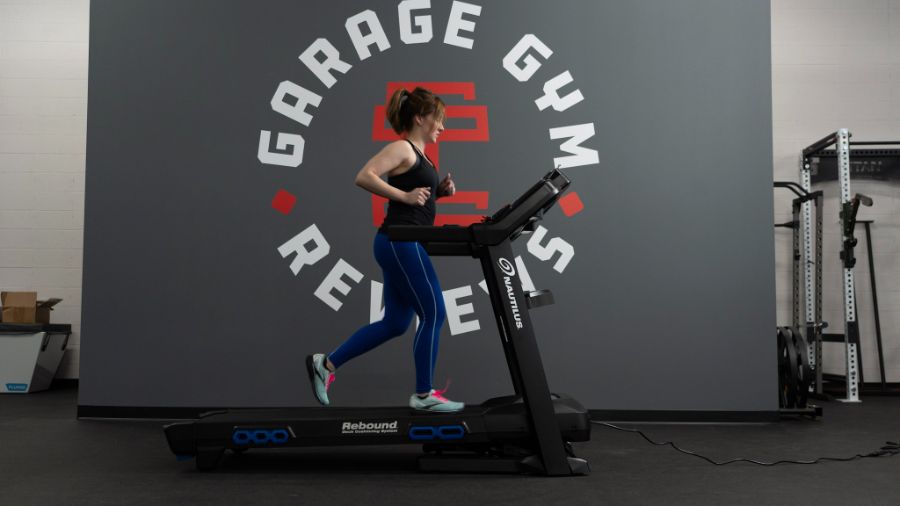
47, 456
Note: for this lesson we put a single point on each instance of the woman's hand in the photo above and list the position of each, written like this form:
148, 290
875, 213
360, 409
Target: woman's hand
446, 188
417, 196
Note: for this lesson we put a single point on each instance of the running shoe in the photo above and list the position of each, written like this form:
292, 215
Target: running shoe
319, 377
435, 402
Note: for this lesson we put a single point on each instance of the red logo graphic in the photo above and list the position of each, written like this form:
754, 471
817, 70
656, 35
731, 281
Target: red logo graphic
571, 204
284, 201
382, 132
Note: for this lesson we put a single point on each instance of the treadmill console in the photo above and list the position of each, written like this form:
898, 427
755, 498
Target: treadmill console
507, 223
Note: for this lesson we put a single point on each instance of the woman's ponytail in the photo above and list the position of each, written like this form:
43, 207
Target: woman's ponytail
404, 106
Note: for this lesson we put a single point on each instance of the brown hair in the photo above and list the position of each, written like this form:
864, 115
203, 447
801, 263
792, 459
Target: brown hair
404, 106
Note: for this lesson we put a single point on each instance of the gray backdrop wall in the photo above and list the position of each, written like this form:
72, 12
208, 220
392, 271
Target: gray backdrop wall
197, 194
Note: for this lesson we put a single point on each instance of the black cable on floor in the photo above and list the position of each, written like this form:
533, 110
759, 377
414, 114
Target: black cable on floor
889, 449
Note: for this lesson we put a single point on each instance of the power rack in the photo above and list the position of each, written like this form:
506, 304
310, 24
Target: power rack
813, 266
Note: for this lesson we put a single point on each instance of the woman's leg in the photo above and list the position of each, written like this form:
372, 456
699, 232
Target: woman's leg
423, 283
398, 312
424, 290
397, 317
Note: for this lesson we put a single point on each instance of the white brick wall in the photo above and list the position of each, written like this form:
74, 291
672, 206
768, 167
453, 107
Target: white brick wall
43, 124
837, 64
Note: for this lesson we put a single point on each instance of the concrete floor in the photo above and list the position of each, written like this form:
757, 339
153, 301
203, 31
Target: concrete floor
50, 457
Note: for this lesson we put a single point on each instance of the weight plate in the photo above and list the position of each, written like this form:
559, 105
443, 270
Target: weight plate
805, 376
787, 390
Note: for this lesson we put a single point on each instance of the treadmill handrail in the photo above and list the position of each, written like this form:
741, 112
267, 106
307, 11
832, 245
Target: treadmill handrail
426, 233
533, 203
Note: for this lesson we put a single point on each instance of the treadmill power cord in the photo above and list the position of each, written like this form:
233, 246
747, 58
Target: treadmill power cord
889, 449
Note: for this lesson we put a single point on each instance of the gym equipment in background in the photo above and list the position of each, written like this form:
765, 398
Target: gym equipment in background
795, 371
794, 374
871, 164
813, 276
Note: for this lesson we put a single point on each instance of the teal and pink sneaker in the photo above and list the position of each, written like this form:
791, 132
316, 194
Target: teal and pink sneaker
319, 377
435, 402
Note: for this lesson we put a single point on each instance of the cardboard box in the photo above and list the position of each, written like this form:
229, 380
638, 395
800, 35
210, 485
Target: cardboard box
19, 307
23, 307
42, 310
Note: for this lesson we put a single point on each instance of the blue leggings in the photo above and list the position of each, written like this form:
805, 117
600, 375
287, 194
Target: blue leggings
410, 287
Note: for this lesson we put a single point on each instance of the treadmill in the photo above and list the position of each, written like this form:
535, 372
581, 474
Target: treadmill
528, 432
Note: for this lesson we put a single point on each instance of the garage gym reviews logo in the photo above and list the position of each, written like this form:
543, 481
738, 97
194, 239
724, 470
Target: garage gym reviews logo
522, 62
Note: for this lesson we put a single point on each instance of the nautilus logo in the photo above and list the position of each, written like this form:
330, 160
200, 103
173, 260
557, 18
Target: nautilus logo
506, 266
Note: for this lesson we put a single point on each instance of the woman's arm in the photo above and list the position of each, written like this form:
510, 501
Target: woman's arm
447, 188
396, 157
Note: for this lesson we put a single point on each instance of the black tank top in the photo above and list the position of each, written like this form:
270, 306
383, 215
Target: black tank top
420, 175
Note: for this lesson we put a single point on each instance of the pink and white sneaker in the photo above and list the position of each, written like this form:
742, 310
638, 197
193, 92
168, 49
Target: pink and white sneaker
436, 402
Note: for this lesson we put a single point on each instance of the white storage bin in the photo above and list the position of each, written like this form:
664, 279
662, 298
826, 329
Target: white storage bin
30, 355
